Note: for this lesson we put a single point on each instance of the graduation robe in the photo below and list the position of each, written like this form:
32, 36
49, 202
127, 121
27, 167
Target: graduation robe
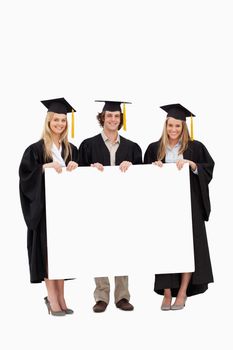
94, 150
200, 203
32, 197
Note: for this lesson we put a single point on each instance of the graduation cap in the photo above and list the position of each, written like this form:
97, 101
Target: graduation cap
115, 106
179, 112
60, 106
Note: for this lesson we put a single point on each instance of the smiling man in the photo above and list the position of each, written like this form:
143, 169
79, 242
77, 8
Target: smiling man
109, 148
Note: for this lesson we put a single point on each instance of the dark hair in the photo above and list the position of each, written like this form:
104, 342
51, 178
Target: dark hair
100, 117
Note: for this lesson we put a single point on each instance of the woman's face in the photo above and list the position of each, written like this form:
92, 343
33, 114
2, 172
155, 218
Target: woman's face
174, 129
58, 123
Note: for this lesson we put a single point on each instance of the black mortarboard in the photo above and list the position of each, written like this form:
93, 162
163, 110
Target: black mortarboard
112, 106
58, 105
177, 111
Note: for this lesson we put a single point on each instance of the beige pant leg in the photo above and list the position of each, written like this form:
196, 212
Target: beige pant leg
121, 288
102, 289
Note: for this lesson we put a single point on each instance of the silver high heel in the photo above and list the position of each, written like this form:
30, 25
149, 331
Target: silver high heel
165, 307
179, 306
54, 313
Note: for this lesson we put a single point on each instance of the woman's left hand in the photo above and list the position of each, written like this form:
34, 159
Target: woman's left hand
125, 166
71, 166
180, 163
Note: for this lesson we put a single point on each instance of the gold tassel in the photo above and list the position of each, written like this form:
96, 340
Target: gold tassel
72, 124
191, 128
124, 117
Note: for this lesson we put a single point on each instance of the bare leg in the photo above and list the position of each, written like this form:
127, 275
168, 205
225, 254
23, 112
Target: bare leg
181, 296
51, 286
60, 293
167, 299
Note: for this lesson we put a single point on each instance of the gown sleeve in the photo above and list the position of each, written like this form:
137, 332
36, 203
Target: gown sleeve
150, 154
205, 165
75, 153
137, 154
31, 186
84, 154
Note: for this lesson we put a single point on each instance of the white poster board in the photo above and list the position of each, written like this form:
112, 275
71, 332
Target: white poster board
113, 223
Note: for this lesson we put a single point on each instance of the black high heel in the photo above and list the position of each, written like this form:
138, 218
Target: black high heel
68, 311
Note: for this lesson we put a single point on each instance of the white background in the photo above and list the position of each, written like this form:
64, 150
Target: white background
147, 52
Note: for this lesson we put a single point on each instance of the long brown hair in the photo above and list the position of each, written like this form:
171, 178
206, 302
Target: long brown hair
48, 139
164, 140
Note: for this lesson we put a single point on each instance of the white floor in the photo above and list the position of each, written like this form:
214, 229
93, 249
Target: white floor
26, 323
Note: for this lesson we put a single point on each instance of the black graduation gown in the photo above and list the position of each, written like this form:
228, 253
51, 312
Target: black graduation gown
32, 197
94, 150
200, 203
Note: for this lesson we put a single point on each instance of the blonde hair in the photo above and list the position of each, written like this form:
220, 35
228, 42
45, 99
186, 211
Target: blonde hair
48, 139
164, 140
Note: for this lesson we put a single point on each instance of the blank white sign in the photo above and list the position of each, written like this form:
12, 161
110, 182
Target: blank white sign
113, 223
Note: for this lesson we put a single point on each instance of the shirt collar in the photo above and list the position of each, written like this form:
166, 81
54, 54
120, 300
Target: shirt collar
105, 138
178, 144
55, 149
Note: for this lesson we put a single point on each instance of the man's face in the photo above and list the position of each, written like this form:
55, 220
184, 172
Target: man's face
112, 120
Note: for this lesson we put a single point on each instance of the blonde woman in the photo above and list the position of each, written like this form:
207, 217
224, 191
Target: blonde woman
176, 146
52, 151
